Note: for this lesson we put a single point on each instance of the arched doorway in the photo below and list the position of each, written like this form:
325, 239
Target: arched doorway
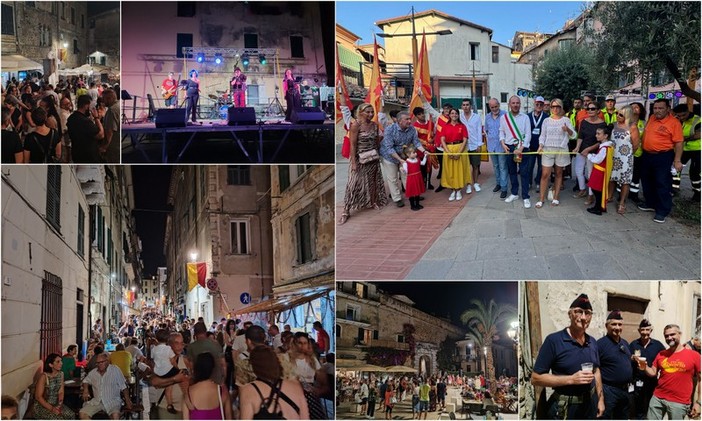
424, 366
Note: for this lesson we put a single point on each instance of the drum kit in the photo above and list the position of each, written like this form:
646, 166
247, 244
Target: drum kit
219, 105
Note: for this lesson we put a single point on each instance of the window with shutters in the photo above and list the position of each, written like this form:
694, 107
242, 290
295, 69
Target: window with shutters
284, 177
495, 54
183, 40
475, 51
53, 196
109, 247
81, 231
50, 323
296, 47
100, 223
238, 175
8, 19
304, 239
239, 236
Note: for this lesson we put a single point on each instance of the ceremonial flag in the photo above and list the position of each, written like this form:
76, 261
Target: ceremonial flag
196, 274
421, 77
375, 91
343, 107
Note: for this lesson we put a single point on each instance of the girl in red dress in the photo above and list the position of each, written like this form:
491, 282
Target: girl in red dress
415, 182
601, 170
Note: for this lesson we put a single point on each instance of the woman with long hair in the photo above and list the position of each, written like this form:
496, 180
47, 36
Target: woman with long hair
48, 392
625, 137
205, 399
269, 394
291, 92
365, 187
456, 170
587, 143
228, 336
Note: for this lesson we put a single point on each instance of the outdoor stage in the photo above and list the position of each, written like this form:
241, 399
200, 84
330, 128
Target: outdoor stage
250, 139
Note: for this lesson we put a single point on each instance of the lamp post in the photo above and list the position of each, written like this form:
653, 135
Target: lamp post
486, 362
193, 257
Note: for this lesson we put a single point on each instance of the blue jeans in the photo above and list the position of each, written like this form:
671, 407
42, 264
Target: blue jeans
172, 101
657, 181
526, 173
499, 166
616, 403
512, 168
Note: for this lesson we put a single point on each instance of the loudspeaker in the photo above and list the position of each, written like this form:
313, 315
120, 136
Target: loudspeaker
241, 116
170, 117
307, 115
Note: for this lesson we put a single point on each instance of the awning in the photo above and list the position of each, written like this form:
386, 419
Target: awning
286, 302
16, 62
349, 59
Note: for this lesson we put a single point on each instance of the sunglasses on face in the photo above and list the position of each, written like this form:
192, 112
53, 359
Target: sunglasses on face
555, 106
620, 115
592, 109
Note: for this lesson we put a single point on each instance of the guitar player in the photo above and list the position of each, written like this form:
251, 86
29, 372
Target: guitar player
168, 91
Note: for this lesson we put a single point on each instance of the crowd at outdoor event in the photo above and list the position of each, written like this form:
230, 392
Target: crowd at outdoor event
159, 367
610, 378
76, 121
426, 394
611, 152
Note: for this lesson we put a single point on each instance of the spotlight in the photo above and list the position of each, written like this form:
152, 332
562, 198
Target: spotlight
262, 59
218, 59
245, 59
200, 57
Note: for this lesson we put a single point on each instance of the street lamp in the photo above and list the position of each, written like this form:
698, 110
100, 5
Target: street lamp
486, 363
193, 256
512, 332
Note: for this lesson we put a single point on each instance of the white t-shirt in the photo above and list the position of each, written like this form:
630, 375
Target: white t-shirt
305, 373
162, 355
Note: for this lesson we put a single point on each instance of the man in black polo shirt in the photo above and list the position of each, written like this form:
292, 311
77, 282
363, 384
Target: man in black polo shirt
615, 366
572, 357
85, 130
646, 347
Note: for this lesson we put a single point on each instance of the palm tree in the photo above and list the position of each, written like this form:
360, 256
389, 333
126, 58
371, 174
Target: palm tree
485, 317
477, 337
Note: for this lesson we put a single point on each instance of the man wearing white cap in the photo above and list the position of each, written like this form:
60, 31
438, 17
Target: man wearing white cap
609, 113
536, 120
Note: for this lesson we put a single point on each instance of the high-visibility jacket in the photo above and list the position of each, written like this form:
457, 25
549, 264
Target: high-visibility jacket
609, 118
688, 131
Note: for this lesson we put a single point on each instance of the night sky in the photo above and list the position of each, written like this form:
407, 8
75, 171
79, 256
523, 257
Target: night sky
151, 195
97, 7
450, 299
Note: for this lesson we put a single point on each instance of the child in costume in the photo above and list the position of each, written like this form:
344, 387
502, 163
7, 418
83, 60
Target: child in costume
601, 170
415, 182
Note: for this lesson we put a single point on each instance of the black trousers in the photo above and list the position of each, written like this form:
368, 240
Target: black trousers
191, 106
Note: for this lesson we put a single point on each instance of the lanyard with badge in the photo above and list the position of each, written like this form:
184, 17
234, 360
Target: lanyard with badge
536, 131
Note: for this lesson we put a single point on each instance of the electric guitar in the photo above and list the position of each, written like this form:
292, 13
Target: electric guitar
168, 93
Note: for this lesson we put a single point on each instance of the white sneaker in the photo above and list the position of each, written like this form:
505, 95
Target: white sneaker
458, 195
469, 190
527, 203
453, 196
477, 187
511, 198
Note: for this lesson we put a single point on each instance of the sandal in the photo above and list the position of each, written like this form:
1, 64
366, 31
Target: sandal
539, 204
344, 218
621, 209
555, 202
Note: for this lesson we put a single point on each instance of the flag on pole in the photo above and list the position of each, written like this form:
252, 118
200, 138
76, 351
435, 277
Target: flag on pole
343, 107
421, 77
375, 91
196, 274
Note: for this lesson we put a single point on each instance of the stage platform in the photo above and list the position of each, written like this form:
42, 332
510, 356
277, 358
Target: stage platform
249, 139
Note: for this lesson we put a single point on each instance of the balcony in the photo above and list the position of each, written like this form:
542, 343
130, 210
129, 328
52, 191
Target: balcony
341, 315
356, 342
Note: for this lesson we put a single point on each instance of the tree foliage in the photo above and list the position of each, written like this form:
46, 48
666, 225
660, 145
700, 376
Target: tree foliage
566, 73
444, 356
386, 357
485, 317
648, 37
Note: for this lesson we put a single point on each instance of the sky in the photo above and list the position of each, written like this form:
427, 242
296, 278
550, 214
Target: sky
504, 18
151, 195
446, 298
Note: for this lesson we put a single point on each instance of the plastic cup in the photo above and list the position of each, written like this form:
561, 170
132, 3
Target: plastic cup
642, 363
587, 367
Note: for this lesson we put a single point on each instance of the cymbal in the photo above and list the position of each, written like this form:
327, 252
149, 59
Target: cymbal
220, 92
212, 96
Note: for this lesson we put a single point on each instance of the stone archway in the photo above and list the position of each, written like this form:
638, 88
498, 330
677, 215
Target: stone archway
425, 368
425, 359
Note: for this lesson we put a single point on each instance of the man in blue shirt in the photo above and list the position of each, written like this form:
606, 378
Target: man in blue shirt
499, 162
396, 136
615, 368
572, 358
536, 120
644, 385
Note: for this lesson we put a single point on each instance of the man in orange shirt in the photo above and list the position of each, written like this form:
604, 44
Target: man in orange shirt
662, 153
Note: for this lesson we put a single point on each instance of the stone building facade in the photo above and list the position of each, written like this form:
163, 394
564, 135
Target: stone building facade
222, 214
104, 36
55, 264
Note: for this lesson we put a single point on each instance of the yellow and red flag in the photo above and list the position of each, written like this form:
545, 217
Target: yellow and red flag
375, 91
343, 107
421, 77
196, 274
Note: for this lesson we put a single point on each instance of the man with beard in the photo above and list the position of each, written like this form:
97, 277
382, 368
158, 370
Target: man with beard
86, 131
616, 368
572, 357
648, 348
677, 367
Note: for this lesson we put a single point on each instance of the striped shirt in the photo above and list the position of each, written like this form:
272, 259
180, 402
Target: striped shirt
107, 387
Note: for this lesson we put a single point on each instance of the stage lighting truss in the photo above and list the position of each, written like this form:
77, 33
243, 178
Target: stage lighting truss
245, 59
262, 59
200, 58
218, 59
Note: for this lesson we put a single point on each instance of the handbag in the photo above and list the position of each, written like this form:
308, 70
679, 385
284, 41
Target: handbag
368, 156
346, 147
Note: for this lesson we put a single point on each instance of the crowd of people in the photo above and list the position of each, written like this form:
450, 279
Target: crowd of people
609, 378
426, 394
159, 367
76, 121
605, 150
